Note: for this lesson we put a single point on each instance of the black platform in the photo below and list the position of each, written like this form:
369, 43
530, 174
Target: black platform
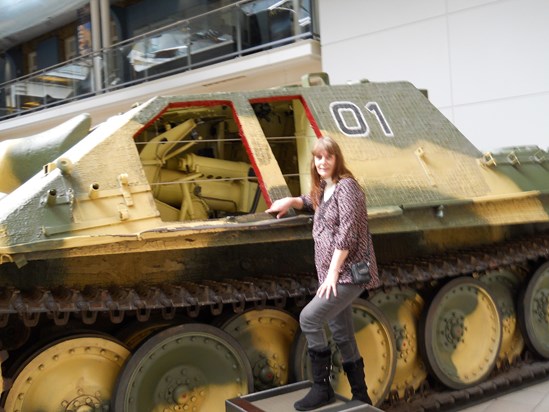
284, 397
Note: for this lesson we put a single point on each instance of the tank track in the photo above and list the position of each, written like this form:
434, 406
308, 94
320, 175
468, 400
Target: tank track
191, 297
194, 297
525, 372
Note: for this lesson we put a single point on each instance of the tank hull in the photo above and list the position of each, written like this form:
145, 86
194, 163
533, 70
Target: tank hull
145, 247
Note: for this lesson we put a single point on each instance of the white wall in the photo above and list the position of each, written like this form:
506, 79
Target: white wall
485, 63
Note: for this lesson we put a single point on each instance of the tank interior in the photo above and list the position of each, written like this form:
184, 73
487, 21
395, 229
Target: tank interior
196, 160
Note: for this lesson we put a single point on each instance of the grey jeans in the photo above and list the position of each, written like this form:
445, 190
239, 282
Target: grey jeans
337, 311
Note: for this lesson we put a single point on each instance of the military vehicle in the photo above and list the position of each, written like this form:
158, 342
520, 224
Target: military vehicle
139, 271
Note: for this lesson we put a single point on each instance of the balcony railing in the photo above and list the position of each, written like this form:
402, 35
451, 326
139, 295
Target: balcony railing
239, 29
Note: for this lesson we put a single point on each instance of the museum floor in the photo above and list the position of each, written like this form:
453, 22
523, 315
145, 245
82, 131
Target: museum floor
534, 398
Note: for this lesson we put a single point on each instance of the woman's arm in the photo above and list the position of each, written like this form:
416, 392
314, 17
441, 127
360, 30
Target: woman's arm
281, 206
330, 283
352, 211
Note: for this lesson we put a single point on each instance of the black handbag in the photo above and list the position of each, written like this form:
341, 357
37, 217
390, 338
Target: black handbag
361, 272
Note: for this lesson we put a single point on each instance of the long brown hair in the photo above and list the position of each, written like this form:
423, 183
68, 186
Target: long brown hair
328, 145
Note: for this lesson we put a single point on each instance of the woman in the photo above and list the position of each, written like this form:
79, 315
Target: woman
342, 238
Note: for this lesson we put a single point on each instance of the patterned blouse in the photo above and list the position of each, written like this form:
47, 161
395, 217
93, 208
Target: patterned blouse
342, 223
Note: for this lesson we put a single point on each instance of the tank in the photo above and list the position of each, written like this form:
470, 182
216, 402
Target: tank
140, 272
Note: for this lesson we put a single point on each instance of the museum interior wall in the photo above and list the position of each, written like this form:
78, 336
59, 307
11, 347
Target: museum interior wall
483, 62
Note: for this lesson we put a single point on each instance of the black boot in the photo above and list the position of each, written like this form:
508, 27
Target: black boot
355, 374
321, 392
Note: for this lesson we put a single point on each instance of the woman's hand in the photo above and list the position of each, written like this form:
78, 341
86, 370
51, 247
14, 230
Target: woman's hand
281, 206
329, 285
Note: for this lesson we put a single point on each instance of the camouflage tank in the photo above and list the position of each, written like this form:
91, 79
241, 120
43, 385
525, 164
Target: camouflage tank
139, 272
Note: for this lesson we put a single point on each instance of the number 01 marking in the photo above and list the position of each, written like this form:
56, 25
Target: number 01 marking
351, 122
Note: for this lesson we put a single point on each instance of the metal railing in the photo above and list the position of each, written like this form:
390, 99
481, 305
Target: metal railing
235, 30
